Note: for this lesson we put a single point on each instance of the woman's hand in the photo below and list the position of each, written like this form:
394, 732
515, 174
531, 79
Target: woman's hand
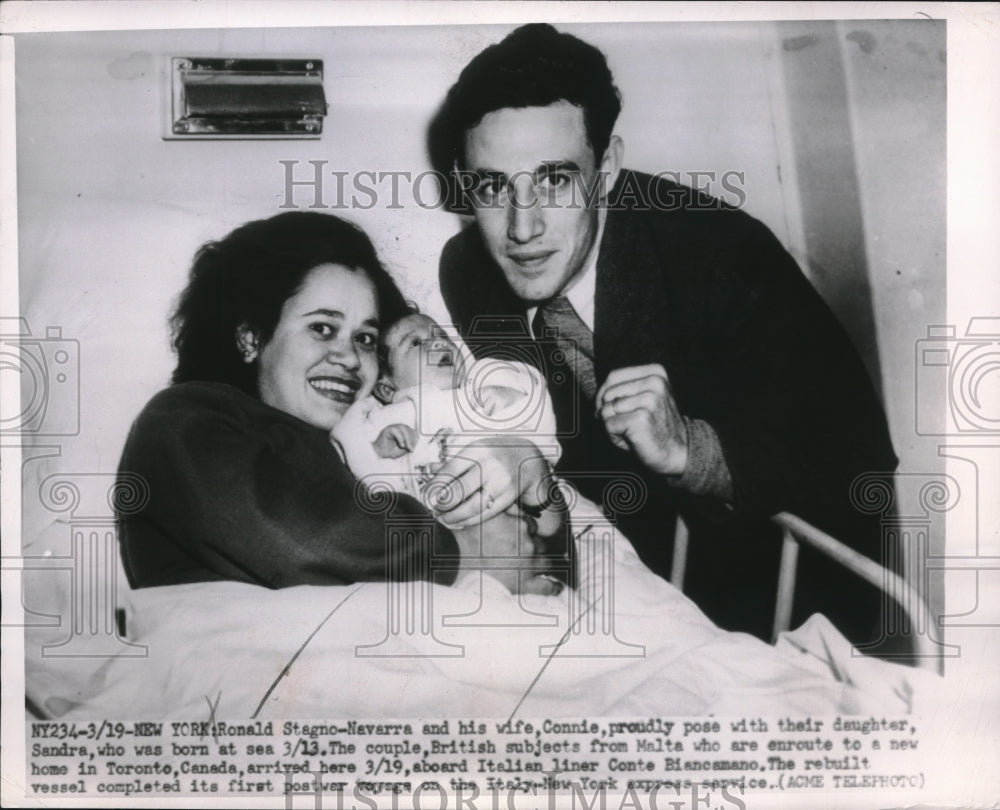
486, 478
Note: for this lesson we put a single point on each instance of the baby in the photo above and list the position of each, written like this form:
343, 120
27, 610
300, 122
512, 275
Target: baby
429, 402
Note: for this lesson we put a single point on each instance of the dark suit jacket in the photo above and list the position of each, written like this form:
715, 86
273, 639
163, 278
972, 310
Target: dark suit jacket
750, 348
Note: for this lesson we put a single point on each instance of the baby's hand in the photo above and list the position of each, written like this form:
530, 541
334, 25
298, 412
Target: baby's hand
532, 577
395, 441
552, 536
543, 572
542, 585
506, 548
495, 398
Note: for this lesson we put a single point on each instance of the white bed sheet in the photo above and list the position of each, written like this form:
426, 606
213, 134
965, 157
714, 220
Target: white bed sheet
227, 644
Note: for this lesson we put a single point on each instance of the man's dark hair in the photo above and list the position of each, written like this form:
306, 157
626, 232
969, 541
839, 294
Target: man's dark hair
533, 66
246, 278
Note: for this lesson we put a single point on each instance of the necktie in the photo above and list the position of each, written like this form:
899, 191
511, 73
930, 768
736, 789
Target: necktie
556, 320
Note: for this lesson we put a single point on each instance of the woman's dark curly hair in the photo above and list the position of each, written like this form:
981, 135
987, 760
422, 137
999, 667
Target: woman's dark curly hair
246, 278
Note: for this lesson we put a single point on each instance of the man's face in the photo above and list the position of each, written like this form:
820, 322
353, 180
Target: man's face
534, 167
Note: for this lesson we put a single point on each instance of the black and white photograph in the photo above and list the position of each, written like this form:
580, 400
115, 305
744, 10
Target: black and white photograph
500, 405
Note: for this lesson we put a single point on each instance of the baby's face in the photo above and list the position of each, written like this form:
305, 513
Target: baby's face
419, 353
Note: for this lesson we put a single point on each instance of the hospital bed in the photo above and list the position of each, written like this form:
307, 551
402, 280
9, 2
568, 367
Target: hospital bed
185, 642
626, 642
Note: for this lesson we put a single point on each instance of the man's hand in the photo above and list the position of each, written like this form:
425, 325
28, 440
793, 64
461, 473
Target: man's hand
641, 416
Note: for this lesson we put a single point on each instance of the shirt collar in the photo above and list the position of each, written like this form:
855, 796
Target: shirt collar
583, 290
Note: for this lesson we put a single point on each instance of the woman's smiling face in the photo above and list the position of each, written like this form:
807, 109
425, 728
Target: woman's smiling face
322, 356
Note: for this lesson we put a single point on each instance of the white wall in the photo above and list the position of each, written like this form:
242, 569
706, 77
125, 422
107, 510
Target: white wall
866, 105
896, 84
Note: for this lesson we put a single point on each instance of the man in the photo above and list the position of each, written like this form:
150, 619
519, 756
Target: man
685, 352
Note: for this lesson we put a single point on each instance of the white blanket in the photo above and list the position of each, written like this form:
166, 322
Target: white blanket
626, 644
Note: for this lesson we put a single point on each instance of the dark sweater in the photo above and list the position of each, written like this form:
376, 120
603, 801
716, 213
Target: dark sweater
241, 491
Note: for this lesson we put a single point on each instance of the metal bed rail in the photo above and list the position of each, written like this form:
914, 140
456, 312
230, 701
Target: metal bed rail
795, 531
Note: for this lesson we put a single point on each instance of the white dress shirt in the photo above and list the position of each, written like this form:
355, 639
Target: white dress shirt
583, 289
